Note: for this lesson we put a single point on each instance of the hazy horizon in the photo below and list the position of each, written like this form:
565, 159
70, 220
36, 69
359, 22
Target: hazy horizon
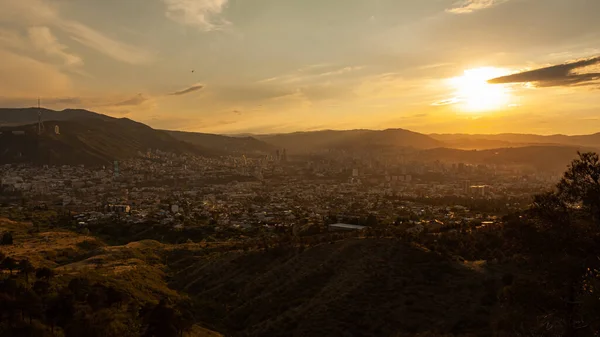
242, 134
263, 67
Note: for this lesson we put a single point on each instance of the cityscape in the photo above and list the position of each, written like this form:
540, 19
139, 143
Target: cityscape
293, 168
274, 190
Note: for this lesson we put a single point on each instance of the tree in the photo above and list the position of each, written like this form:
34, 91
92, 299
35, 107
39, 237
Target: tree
41, 288
7, 239
371, 220
80, 287
161, 321
9, 263
26, 268
44, 273
581, 184
567, 221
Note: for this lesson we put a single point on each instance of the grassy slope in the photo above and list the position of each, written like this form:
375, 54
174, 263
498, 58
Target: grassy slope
135, 268
368, 287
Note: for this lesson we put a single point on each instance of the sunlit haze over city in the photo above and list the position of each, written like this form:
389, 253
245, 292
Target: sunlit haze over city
264, 66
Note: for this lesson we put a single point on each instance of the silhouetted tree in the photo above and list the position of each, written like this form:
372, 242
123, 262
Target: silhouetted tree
7, 239
44, 273
41, 288
80, 287
10, 264
161, 321
567, 220
26, 268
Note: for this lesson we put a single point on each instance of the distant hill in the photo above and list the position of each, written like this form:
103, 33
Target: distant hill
547, 158
513, 139
23, 116
351, 139
238, 145
87, 141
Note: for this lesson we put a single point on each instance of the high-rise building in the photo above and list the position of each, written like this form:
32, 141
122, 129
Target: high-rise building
466, 186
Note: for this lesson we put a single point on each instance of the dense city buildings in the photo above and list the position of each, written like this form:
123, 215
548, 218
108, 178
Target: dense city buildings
249, 192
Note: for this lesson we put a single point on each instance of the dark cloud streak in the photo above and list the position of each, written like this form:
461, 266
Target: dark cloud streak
188, 90
557, 75
137, 100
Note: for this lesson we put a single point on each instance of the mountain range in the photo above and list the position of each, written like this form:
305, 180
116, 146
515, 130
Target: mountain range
299, 142
224, 144
86, 137
480, 141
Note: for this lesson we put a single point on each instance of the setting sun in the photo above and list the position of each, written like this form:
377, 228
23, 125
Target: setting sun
475, 94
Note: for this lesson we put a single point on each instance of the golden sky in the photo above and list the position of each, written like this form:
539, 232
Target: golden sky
263, 66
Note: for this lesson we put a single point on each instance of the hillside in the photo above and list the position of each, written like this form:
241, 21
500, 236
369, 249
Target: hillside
86, 287
514, 139
87, 141
23, 116
236, 145
301, 142
368, 287
546, 158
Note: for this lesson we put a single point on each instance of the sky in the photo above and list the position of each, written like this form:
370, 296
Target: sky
272, 66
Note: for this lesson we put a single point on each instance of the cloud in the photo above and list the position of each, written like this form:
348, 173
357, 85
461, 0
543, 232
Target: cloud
105, 45
43, 39
11, 39
71, 101
39, 13
139, 99
31, 78
188, 90
202, 14
313, 73
470, 6
557, 75
449, 101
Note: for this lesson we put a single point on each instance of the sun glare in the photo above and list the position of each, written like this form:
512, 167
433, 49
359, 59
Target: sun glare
475, 95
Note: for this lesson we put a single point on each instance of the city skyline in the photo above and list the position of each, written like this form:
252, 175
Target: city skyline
281, 66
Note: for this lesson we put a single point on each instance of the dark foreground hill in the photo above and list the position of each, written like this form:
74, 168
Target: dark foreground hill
86, 141
368, 287
225, 144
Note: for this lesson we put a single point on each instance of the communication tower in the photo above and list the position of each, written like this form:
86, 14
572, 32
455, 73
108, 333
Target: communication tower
116, 169
40, 123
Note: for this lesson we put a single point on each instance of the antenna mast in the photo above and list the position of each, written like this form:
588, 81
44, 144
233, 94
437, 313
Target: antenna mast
40, 124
